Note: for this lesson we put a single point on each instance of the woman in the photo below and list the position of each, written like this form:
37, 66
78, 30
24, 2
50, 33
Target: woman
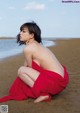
42, 73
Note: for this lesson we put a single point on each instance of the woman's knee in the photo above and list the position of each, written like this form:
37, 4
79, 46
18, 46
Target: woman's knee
21, 70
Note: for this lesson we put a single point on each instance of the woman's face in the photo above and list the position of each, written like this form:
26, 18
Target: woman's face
25, 35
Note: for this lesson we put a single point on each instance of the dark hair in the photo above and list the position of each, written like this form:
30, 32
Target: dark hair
33, 28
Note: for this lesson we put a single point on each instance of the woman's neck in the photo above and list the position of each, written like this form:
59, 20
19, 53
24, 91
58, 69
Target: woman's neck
30, 41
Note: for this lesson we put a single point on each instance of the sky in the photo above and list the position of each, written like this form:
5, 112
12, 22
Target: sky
55, 18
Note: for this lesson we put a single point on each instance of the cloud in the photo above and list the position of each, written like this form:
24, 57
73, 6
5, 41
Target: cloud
34, 6
11, 8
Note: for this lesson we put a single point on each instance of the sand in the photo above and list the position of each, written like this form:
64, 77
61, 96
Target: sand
68, 53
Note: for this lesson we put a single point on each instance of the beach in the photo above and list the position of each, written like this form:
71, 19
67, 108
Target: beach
68, 53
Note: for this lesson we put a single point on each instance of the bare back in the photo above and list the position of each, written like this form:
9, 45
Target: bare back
45, 58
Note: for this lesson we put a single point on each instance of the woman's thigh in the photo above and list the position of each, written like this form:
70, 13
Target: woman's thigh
32, 73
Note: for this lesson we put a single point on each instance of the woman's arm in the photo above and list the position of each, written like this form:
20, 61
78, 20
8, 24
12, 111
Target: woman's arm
25, 63
28, 57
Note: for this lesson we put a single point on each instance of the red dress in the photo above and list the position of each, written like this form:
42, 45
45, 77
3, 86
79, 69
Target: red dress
48, 83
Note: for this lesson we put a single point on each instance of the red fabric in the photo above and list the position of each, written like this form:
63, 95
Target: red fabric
48, 83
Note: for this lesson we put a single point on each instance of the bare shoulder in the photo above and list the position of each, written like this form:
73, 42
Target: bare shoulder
30, 48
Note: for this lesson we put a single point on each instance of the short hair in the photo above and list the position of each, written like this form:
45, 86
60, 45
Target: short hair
32, 28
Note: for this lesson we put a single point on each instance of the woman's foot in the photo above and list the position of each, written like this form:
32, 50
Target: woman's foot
43, 98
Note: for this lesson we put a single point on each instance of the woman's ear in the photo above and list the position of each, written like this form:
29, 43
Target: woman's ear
32, 35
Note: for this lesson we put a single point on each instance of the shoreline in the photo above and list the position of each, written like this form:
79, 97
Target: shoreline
59, 42
5, 38
52, 44
6, 51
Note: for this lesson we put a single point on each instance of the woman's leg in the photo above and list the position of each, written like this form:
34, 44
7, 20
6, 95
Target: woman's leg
26, 79
28, 75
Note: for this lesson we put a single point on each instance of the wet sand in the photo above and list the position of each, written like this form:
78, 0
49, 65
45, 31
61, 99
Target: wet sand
68, 53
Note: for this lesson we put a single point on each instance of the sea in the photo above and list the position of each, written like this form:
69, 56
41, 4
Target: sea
9, 47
